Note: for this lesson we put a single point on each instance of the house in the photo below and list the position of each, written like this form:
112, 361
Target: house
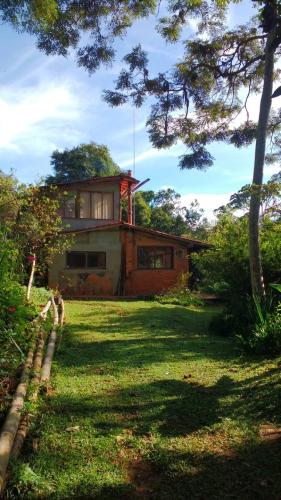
111, 257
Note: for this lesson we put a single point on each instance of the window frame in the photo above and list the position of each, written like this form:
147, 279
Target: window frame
86, 253
77, 205
91, 204
171, 248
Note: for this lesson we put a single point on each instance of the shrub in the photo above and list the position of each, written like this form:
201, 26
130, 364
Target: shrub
15, 316
266, 335
179, 294
224, 270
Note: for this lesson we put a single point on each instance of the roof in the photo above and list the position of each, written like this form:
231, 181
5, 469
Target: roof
189, 242
92, 180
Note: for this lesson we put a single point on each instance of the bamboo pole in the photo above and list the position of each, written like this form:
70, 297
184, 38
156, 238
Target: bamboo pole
62, 311
12, 421
44, 312
46, 368
35, 383
15, 428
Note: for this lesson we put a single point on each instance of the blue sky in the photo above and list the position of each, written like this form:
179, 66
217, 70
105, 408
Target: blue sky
49, 103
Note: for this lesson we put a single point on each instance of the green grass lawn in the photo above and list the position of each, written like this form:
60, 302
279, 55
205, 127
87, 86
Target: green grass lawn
146, 404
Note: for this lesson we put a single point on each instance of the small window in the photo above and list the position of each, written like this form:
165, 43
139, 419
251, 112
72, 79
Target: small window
155, 257
85, 260
76, 260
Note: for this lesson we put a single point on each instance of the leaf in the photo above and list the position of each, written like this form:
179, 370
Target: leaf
276, 286
276, 92
73, 429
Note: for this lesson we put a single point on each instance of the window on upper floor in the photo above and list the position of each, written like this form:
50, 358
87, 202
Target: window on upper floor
154, 257
89, 205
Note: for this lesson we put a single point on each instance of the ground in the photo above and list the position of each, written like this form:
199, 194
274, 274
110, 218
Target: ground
146, 404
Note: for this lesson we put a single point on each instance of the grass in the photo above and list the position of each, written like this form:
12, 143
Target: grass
145, 404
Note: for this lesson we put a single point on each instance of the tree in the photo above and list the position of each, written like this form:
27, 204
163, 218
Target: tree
219, 71
8, 197
270, 199
224, 269
82, 162
164, 211
37, 228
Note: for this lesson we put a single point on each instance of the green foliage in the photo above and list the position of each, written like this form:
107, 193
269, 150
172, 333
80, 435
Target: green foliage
38, 227
265, 336
82, 162
270, 196
164, 211
15, 328
24, 481
224, 270
180, 294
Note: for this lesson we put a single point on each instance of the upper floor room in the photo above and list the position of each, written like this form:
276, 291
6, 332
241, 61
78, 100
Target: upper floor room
97, 201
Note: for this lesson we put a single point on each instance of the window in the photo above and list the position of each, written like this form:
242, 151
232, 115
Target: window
155, 257
95, 205
69, 207
85, 205
96, 259
75, 259
86, 260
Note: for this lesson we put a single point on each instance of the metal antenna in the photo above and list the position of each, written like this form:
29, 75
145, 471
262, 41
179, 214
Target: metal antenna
134, 142
134, 161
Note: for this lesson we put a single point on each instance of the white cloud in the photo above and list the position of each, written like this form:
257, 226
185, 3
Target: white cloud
35, 118
208, 201
173, 152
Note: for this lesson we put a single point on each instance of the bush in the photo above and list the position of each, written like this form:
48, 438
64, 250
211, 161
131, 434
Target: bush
179, 294
224, 271
15, 315
266, 335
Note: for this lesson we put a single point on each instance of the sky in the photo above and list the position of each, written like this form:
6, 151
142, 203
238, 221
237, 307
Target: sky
48, 103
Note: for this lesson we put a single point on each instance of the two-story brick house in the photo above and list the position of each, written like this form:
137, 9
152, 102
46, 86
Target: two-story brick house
111, 257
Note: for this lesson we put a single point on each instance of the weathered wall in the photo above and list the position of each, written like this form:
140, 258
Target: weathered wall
89, 282
106, 187
151, 281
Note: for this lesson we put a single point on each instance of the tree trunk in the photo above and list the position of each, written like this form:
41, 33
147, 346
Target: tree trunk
257, 282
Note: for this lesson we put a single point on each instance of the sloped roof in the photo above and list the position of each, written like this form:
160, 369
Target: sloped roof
92, 180
188, 242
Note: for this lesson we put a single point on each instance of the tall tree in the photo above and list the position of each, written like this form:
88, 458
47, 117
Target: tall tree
82, 162
220, 70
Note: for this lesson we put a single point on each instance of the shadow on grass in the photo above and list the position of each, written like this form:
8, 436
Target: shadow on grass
161, 410
144, 337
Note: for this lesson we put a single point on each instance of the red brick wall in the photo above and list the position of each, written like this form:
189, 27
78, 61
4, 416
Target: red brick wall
150, 281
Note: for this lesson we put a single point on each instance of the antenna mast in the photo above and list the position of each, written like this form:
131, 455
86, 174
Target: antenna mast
134, 162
